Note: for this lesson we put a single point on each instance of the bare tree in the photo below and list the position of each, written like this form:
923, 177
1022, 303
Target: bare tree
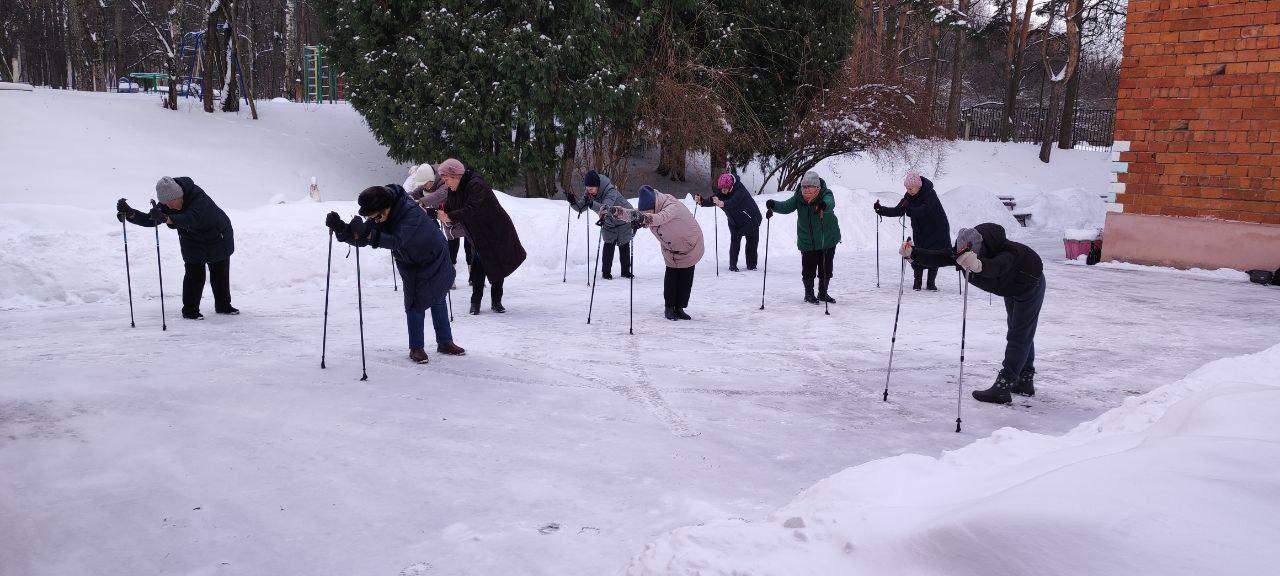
1057, 79
1016, 43
163, 21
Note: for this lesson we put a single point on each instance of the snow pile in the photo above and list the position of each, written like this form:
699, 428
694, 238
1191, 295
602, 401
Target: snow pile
1181, 480
1215, 274
1064, 209
1081, 233
16, 86
968, 206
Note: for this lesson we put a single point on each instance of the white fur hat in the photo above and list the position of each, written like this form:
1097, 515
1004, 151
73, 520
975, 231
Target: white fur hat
420, 176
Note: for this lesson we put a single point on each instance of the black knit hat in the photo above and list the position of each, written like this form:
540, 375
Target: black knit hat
373, 200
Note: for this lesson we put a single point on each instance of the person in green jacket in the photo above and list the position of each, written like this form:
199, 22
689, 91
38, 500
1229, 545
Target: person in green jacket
817, 232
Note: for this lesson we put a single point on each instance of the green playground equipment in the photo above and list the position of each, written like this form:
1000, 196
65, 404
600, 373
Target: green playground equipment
320, 82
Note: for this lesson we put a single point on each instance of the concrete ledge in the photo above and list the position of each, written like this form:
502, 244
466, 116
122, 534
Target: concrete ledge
1190, 242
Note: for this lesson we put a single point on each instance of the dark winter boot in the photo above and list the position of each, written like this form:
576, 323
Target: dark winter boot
1025, 386
681, 315
229, 310
998, 393
475, 307
418, 355
626, 260
822, 291
734, 268
193, 315
808, 291
451, 349
931, 283
670, 313
497, 307
918, 272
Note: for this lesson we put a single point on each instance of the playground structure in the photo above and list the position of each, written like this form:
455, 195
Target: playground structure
190, 84
319, 80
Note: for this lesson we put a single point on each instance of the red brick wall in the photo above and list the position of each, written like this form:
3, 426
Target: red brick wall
1199, 103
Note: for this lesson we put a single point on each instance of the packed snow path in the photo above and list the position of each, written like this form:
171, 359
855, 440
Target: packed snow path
553, 447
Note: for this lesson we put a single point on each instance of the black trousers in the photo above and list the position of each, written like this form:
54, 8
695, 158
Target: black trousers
817, 263
193, 285
676, 287
753, 245
919, 271
453, 250
625, 256
477, 281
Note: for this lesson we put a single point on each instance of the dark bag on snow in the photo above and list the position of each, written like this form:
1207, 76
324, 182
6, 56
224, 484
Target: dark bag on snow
1263, 277
1095, 254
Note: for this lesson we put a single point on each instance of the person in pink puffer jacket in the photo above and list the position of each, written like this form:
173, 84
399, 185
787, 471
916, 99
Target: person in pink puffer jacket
680, 238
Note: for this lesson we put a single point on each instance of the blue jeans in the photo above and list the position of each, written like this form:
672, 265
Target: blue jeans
439, 321
1024, 316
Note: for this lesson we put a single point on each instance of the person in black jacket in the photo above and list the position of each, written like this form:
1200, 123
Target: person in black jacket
419, 250
1008, 269
204, 233
929, 226
742, 214
496, 248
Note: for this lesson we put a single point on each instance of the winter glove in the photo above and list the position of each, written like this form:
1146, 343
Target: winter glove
571, 197
158, 215
124, 209
905, 251
877, 207
717, 201
768, 204
335, 224
969, 261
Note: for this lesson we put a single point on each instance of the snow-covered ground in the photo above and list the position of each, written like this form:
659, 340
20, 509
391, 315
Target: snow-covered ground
553, 447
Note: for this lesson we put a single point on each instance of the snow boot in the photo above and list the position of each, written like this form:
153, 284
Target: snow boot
1025, 385
734, 269
475, 307
418, 355
193, 315
497, 307
681, 315
822, 291
998, 393
808, 291
230, 311
670, 313
916, 285
606, 275
451, 349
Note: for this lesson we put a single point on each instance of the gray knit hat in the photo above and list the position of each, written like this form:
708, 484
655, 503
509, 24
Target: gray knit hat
810, 178
168, 189
970, 238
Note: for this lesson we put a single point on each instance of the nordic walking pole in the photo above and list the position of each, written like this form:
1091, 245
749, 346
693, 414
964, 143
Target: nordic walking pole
364, 373
128, 276
878, 219
964, 320
394, 283
449, 295
715, 223
160, 274
631, 246
328, 272
592, 304
764, 280
566, 244
902, 276
588, 239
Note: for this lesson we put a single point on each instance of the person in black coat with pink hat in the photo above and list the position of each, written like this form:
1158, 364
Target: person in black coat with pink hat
930, 229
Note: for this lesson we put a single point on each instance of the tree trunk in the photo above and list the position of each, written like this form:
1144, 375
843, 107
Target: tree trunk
718, 160
931, 80
568, 156
118, 26
1017, 42
230, 75
208, 60
957, 79
1046, 133
290, 48
1066, 129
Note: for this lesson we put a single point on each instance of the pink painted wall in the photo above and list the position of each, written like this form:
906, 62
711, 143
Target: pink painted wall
1190, 242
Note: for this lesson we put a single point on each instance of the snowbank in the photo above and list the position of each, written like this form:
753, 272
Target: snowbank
968, 206
1216, 274
1069, 208
16, 86
1181, 480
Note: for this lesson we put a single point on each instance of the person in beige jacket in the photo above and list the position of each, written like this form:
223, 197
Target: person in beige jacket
680, 238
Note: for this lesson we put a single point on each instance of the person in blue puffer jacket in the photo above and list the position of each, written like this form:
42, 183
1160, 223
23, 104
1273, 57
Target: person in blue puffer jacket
421, 255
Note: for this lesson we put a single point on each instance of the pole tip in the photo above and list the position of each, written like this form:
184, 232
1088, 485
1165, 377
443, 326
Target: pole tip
364, 377
957, 425
886, 395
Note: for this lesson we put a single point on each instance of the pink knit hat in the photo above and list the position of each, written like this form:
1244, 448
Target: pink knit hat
912, 180
451, 167
725, 181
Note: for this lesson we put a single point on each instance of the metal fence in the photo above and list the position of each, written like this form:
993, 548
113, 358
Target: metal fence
1092, 129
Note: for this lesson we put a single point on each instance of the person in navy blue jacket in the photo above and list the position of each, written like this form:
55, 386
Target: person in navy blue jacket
742, 214
421, 254
930, 229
